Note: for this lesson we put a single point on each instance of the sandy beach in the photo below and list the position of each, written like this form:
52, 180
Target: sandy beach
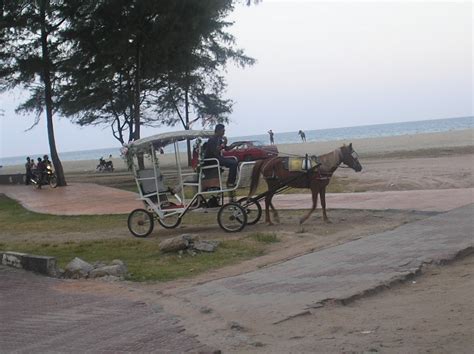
367, 148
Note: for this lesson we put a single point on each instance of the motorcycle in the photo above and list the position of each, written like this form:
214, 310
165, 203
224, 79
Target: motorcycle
105, 166
48, 177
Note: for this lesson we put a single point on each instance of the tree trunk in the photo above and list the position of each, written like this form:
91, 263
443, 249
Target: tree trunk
186, 113
48, 97
141, 163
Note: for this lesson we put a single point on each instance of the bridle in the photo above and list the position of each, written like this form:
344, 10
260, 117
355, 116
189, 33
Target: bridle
355, 157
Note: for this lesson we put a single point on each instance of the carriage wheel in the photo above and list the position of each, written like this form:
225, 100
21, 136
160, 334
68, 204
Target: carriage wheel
170, 222
53, 181
232, 217
140, 223
252, 208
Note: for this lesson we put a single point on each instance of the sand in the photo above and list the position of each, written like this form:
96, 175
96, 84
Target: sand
368, 147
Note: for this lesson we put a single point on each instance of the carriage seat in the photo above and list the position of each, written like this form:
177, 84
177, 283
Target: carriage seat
146, 179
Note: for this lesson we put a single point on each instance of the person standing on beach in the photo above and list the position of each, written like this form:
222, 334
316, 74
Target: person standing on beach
272, 142
28, 168
302, 135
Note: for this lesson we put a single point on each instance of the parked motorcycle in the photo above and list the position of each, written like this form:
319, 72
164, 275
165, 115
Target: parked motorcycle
48, 177
105, 166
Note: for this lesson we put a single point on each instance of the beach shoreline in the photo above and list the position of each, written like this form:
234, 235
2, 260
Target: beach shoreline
366, 147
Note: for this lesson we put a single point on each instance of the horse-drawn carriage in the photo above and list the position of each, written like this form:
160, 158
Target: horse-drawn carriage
203, 188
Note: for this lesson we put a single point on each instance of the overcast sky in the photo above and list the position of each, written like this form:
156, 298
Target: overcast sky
320, 65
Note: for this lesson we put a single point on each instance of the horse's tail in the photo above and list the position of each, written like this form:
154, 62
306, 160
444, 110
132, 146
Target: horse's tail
257, 168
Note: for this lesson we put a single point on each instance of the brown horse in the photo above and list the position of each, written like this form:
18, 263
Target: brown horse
276, 174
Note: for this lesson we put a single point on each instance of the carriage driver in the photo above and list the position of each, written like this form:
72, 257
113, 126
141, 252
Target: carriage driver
213, 150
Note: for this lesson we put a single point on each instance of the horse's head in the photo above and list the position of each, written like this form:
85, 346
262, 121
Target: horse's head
350, 157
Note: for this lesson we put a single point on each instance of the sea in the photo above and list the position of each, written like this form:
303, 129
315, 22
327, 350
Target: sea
347, 133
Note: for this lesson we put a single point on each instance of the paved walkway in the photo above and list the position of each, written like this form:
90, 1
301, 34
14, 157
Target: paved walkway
88, 198
281, 291
38, 316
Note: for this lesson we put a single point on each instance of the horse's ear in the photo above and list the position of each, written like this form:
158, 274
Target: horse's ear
350, 146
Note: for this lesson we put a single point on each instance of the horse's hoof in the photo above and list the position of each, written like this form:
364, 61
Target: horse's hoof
300, 230
270, 224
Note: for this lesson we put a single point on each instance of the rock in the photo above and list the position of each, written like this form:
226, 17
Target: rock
77, 268
118, 262
205, 246
99, 264
111, 278
236, 326
205, 310
191, 252
177, 243
110, 270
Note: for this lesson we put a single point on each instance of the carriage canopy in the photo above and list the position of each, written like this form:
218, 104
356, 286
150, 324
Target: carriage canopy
163, 139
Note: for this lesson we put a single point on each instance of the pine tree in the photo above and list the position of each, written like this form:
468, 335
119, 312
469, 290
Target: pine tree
30, 57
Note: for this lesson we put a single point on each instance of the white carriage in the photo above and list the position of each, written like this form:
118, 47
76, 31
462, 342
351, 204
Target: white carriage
168, 198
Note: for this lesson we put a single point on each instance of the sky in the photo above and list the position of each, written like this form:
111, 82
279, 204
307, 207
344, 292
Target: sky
319, 65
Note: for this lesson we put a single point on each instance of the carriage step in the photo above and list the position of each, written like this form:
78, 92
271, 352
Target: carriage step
172, 206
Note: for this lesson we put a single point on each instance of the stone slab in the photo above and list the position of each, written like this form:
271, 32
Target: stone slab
39, 264
340, 272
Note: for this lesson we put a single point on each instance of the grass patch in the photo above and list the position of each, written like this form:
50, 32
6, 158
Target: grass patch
14, 219
144, 260
264, 237
143, 257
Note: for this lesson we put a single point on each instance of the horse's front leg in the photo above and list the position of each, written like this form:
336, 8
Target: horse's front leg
275, 212
323, 205
268, 202
314, 192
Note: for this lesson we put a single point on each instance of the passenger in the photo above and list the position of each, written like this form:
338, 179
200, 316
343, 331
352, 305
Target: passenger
213, 150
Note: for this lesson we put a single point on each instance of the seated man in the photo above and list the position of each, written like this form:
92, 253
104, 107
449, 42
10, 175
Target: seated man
47, 162
213, 150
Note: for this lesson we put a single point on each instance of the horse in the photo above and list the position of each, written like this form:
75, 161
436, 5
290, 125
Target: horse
315, 178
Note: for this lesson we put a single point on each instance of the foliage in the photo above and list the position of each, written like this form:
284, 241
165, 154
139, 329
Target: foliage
136, 63
194, 72
31, 55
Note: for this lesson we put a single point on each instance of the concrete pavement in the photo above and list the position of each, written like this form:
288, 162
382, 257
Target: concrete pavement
38, 315
89, 198
280, 291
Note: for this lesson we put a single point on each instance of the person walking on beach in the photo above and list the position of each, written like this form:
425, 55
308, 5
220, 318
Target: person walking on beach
272, 142
302, 135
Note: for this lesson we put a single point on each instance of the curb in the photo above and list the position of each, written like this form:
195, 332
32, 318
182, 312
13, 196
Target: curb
39, 264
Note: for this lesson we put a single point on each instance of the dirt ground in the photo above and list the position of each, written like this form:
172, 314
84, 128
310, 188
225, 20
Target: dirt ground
431, 313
